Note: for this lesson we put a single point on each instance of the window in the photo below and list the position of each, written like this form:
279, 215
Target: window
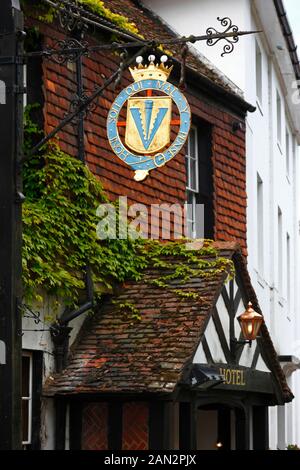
280, 250
288, 269
192, 181
258, 73
32, 373
260, 224
293, 158
199, 182
279, 118
26, 398
287, 152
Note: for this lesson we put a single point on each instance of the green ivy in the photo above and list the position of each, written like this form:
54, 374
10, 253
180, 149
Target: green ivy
202, 263
31, 129
59, 235
59, 231
128, 310
98, 7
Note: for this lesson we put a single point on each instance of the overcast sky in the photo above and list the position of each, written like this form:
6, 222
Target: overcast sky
293, 11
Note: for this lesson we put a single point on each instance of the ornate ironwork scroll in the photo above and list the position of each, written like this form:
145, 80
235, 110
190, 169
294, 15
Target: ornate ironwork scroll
122, 67
69, 50
77, 103
230, 41
29, 313
69, 15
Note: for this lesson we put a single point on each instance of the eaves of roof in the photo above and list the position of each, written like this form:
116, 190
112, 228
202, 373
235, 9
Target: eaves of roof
288, 35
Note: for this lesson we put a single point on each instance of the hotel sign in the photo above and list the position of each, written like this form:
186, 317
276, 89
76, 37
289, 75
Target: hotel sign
147, 142
233, 376
240, 378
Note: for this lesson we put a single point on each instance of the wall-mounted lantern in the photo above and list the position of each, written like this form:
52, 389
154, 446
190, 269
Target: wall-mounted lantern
250, 322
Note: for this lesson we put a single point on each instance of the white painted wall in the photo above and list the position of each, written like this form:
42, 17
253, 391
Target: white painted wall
264, 157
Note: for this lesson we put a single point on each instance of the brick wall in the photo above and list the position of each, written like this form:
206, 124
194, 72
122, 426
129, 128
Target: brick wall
135, 426
229, 172
94, 426
166, 184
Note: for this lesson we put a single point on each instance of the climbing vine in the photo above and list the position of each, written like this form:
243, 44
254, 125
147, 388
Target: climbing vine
180, 264
59, 236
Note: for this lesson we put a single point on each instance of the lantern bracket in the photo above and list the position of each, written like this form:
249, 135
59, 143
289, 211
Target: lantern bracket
236, 344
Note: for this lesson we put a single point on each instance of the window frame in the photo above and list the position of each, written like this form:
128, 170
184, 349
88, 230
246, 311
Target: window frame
259, 89
279, 119
280, 250
288, 148
260, 223
28, 398
193, 192
196, 159
288, 270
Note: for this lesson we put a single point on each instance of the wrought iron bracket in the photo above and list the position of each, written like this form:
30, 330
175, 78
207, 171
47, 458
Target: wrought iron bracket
69, 50
122, 67
29, 313
77, 102
69, 15
236, 343
184, 52
230, 41
13, 60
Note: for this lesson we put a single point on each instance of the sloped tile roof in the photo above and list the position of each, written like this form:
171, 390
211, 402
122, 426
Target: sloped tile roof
116, 354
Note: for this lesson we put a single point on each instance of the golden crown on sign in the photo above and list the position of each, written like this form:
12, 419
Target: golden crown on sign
153, 71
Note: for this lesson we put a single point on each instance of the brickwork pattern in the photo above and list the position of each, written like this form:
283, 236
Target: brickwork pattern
135, 426
94, 426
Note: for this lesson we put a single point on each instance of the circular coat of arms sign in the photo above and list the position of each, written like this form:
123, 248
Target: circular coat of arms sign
146, 143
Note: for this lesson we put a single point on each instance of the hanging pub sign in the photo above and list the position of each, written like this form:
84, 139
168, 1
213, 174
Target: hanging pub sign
146, 143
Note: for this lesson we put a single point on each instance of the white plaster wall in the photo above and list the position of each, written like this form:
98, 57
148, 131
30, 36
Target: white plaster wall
263, 157
195, 16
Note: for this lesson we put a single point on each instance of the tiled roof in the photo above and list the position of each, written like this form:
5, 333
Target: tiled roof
116, 354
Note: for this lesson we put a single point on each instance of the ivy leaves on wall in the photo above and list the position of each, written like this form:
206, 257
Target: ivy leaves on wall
60, 239
59, 231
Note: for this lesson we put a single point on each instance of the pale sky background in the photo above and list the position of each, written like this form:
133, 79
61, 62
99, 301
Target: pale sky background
293, 11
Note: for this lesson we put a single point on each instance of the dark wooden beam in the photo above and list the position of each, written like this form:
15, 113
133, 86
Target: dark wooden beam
115, 426
241, 429
224, 428
11, 143
76, 408
156, 425
206, 350
221, 336
37, 384
255, 358
260, 428
60, 423
185, 426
